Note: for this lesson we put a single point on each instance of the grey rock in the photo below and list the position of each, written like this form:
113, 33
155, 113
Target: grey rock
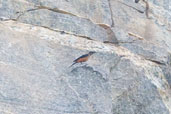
129, 98
150, 38
87, 9
43, 82
40, 39
50, 18
63, 22
148, 51
167, 73
165, 4
11, 9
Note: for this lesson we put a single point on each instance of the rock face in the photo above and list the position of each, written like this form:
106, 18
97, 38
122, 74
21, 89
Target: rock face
39, 39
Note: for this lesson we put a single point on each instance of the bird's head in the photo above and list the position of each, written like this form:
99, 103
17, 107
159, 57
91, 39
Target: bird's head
91, 52
136, 1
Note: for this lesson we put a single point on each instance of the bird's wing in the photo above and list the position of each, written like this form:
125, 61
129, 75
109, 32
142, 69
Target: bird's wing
80, 57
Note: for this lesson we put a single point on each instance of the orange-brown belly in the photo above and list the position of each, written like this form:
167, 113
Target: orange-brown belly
82, 59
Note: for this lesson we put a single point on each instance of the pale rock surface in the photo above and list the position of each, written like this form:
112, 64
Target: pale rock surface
39, 39
97, 11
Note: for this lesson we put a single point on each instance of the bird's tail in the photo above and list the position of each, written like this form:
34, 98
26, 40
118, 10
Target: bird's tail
72, 64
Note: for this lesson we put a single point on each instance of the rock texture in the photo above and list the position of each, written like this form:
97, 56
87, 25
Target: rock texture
39, 39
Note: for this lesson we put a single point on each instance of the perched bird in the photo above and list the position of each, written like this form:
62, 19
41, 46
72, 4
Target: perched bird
83, 58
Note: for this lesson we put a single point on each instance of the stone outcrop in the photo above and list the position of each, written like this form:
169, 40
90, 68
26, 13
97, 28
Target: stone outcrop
130, 73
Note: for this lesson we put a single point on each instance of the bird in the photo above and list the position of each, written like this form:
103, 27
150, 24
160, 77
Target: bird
83, 58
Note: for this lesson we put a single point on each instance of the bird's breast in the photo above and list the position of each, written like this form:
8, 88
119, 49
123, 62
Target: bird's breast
82, 59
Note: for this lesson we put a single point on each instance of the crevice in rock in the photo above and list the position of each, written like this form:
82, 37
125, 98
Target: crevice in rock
155, 61
44, 7
146, 9
65, 12
39, 7
124, 42
55, 10
104, 26
131, 7
64, 32
59, 11
61, 31
111, 13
